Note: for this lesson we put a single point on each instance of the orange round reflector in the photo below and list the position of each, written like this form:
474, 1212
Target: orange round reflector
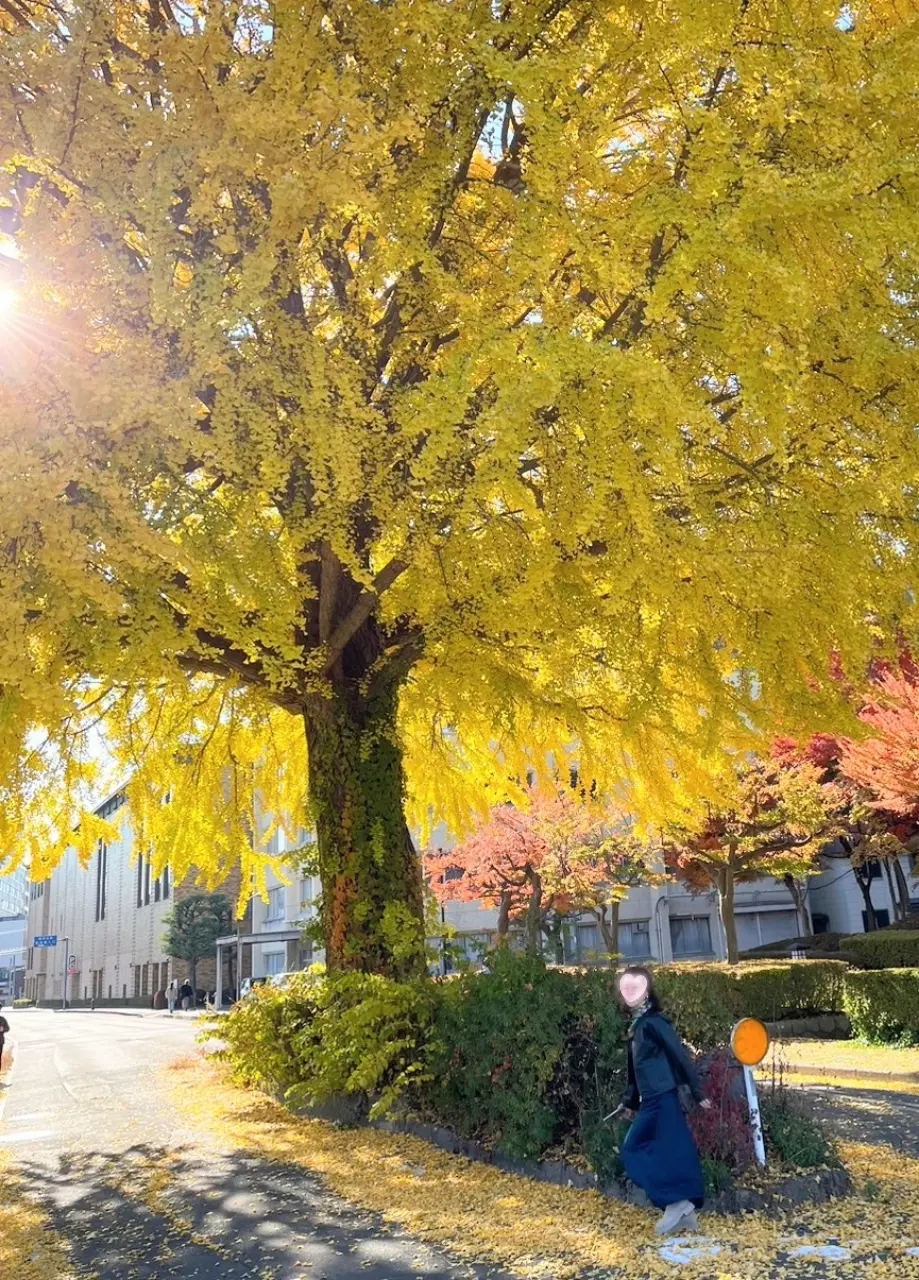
749, 1041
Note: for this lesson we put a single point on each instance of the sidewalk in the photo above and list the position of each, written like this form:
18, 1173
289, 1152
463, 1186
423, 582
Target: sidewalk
139, 1013
843, 1060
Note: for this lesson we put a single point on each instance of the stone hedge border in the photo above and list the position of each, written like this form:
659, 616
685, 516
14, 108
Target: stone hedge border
773, 1199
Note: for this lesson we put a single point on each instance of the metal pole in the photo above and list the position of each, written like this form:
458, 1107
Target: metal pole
756, 1123
66, 942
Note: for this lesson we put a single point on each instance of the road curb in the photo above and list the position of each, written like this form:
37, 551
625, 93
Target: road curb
850, 1073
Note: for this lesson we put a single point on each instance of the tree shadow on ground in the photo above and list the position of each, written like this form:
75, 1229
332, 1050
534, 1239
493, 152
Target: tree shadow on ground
868, 1115
154, 1212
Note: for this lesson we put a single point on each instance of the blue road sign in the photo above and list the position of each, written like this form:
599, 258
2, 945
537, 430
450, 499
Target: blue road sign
49, 940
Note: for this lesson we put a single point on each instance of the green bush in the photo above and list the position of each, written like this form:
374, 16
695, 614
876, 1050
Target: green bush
367, 1036
525, 1058
354, 1033
791, 1132
705, 1000
893, 949
23, 1003
500, 1043
883, 1004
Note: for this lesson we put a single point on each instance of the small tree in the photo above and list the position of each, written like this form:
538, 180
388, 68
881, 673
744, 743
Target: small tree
500, 865
592, 862
870, 784
193, 927
560, 857
774, 824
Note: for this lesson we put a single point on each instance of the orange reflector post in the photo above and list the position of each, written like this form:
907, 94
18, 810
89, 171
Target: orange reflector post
749, 1041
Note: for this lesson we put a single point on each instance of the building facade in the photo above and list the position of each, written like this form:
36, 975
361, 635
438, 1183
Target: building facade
109, 919
14, 909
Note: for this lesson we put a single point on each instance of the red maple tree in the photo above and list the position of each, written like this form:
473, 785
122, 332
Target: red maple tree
538, 866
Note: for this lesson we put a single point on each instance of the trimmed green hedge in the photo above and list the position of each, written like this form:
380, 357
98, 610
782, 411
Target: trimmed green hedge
705, 1000
893, 949
883, 1004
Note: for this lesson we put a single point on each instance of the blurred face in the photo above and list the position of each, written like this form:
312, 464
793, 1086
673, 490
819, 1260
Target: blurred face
633, 988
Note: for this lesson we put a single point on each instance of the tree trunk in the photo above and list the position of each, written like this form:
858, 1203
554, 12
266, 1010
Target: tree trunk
725, 887
895, 902
504, 917
863, 880
553, 928
902, 886
534, 912
193, 977
609, 929
372, 899
798, 890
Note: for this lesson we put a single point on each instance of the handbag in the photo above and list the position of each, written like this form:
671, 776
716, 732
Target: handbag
687, 1099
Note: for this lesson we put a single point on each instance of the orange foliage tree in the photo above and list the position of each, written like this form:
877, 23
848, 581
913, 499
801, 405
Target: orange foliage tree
558, 858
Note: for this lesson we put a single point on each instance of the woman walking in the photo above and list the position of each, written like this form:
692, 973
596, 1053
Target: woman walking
659, 1153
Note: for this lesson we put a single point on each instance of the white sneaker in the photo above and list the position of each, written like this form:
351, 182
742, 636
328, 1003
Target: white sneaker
673, 1217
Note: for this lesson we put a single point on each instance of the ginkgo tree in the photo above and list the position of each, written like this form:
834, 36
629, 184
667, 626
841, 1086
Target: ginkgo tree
400, 394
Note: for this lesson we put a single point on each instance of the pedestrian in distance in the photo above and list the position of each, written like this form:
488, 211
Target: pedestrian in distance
4, 1032
172, 994
659, 1154
187, 994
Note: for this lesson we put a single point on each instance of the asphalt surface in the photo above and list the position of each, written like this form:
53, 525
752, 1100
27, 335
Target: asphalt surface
86, 1120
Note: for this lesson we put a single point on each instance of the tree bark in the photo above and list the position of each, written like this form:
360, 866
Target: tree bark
798, 890
372, 899
895, 901
725, 887
902, 886
504, 916
609, 929
534, 912
863, 880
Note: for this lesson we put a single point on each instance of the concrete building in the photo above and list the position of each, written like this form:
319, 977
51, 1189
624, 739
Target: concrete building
14, 907
109, 921
667, 923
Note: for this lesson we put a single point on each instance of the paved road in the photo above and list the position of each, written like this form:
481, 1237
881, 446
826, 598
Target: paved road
90, 1128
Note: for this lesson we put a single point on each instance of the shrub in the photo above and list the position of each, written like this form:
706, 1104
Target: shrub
791, 1133
353, 1033
705, 1000
722, 1132
894, 949
524, 1058
23, 1003
367, 1035
500, 1043
883, 1004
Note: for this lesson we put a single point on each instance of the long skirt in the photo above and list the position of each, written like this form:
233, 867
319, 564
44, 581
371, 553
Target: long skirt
659, 1153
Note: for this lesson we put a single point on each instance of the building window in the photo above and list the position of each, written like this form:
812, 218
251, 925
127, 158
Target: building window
635, 939
140, 880
165, 883
145, 980
137, 982
690, 936
275, 909
881, 914
156, 977
274, 962
101, 872
146, 883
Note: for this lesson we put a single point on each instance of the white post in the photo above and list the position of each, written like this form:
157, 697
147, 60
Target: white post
756, 1123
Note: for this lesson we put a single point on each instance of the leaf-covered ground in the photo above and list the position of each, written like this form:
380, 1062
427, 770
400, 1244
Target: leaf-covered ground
846, 1055
536, 1230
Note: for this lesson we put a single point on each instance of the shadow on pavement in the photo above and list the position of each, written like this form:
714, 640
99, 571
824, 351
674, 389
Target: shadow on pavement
155, 1212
